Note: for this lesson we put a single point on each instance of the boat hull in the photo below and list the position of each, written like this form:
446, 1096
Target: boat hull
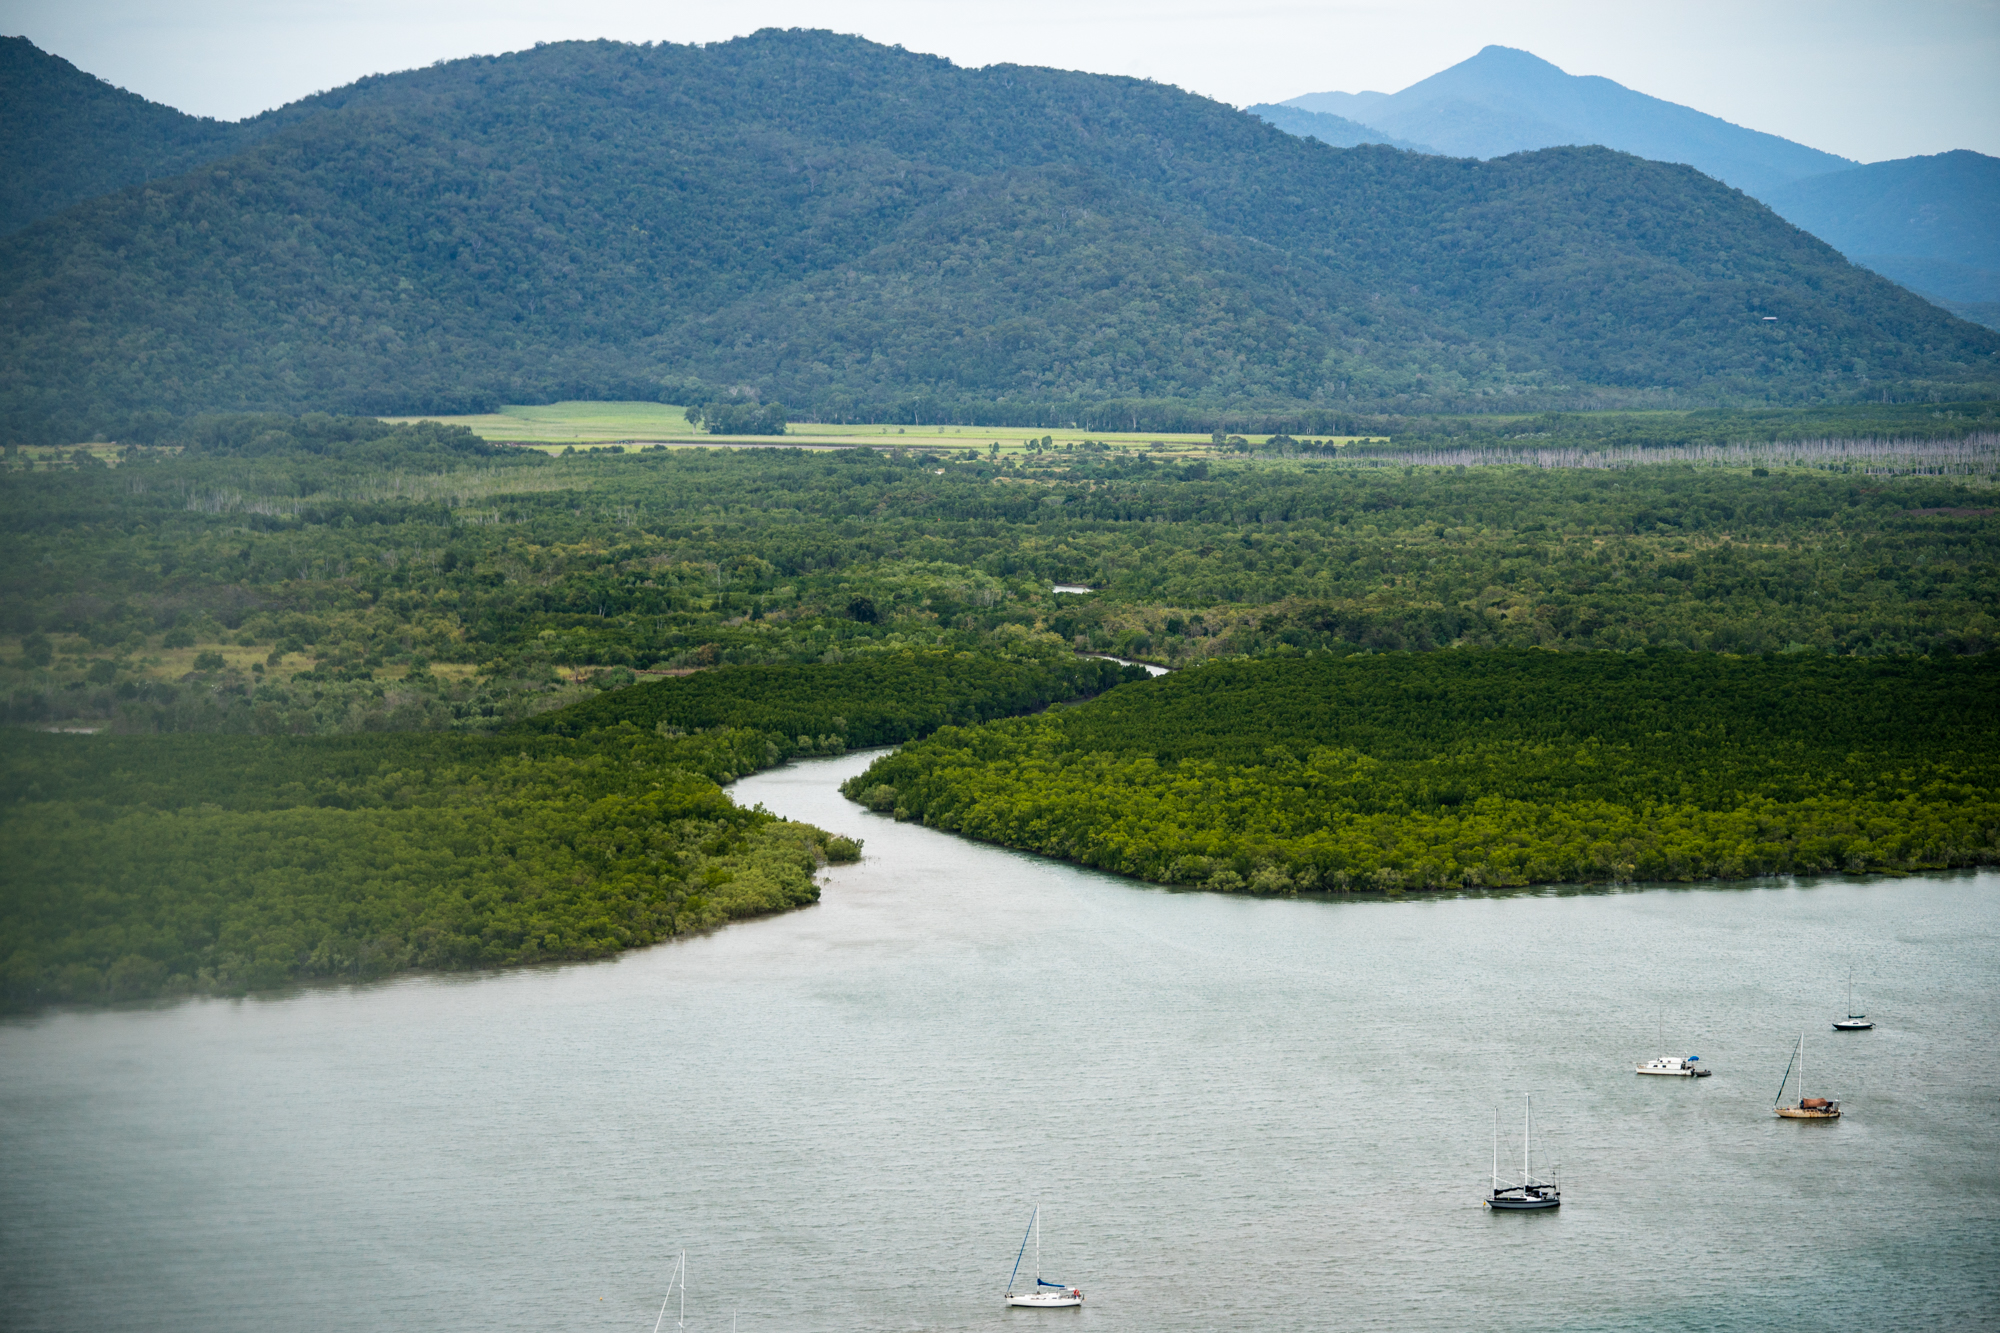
1514, 1201
1807, 1113
1852, 1025
1038, 1302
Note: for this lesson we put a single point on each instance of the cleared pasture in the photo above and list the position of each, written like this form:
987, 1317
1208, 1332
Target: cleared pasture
554, 426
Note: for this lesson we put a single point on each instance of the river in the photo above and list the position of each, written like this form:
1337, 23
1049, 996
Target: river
1237, 1113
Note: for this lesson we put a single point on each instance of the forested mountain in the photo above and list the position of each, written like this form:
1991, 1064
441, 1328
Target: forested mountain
1329, 128
862, 231
1931, 223
67, 136
1507, 101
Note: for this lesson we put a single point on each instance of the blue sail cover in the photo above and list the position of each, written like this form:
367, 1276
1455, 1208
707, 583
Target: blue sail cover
1044, 1282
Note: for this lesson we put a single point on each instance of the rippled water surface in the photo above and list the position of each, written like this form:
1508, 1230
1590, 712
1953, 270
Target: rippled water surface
1237, 1113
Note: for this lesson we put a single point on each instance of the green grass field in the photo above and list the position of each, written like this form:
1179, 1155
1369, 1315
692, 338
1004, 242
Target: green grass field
574, 423
553, 426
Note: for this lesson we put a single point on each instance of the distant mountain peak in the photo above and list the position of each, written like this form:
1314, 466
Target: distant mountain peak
1506, 100
1512, 57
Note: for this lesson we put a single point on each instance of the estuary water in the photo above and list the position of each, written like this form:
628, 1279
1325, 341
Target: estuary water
1236, 1113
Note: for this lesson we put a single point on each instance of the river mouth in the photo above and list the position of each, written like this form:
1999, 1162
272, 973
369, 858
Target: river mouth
1268, 1113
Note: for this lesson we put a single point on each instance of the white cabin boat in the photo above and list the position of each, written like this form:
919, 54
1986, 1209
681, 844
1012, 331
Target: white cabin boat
1676, 1067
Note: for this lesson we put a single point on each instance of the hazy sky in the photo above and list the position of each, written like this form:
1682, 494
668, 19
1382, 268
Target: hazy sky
1862, 78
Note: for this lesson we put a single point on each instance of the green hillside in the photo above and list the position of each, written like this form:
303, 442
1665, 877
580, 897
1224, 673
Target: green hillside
864, 232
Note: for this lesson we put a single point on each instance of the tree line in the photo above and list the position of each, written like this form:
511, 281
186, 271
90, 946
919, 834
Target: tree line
1468, 770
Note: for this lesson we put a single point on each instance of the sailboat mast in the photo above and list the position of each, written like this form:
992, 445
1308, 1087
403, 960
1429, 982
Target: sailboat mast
1496, 1153
1526, 1102
1018, 1253
680, 1272
1802, 1066
1038, 1247
1788, 1073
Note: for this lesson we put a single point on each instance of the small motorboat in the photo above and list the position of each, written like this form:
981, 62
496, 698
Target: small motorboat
1676, 1067
1532, 1194
1044, 1295
1805, 1108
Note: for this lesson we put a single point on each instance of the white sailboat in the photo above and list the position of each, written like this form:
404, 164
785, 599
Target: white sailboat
1805, 1108
1853, 1022
1044, 1295
1531, 1194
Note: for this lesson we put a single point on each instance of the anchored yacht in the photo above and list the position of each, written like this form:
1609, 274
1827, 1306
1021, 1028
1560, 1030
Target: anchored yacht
1532, 1193
1675, 1066
1805, 1108
1044, 1295
1853, 1022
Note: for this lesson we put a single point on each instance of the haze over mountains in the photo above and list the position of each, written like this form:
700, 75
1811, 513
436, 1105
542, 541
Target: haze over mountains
1507, 101
1931, 223
1329, 128
1924, 222
866, 232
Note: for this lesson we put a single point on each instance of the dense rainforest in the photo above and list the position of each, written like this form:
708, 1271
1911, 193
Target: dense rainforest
374, 696
865, 233
216, 864
1482, 769
283, 575
183, 864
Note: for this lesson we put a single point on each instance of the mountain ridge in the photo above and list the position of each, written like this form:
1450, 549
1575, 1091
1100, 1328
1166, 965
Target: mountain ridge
1328, 128
859, 230
71, 136
1926, 222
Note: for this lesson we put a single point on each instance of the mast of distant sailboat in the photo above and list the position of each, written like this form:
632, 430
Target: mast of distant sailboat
1525, 1109
680, 1272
